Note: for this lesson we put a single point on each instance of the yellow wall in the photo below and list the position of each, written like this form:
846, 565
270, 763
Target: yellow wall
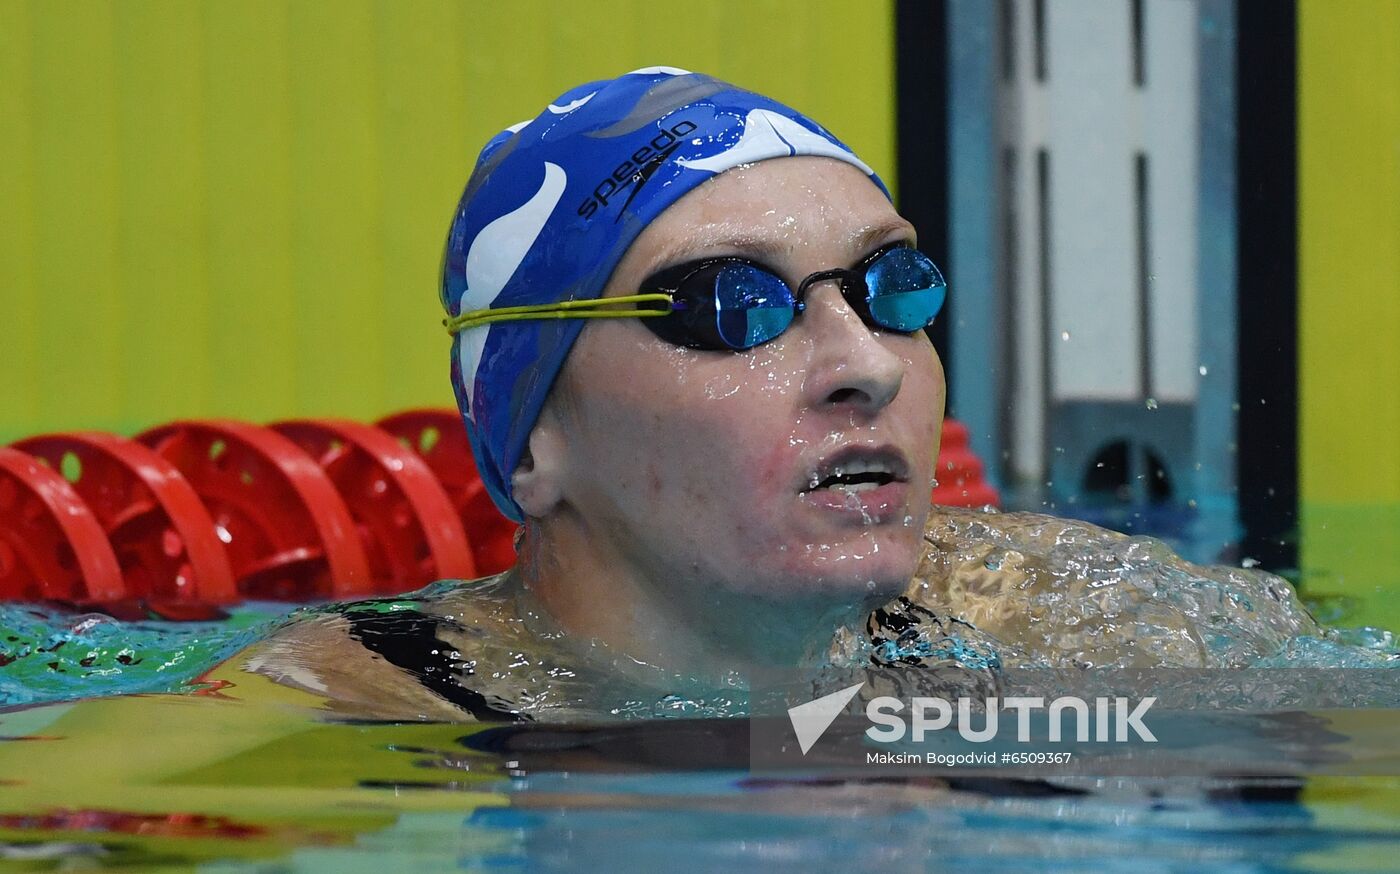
238, 209
1349, 299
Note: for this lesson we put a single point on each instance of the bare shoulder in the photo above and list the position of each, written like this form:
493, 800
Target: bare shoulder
319, 655
1065, 592
1056, 589
376, 659
975, 552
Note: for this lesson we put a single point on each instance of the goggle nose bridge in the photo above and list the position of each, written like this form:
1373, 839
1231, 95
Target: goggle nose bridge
848, 280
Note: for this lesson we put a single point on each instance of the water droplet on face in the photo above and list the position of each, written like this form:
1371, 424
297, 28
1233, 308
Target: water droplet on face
1152, 403
719, 387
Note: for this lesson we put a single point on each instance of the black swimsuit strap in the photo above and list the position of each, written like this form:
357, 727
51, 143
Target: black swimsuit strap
409, 640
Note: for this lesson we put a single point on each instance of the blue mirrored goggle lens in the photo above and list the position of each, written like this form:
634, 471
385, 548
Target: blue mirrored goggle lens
752, 306
906, 291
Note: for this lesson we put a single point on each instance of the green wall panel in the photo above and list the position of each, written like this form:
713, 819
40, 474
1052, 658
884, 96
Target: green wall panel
237, 209
248, 143
19, 330
1349, 300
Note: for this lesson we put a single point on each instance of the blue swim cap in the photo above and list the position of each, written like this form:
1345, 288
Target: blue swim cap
553, 204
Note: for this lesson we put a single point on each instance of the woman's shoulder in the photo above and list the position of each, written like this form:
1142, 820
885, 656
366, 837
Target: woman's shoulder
1068, 592
404, 657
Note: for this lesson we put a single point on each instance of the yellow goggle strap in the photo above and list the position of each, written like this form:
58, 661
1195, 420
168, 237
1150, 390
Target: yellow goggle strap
568, 309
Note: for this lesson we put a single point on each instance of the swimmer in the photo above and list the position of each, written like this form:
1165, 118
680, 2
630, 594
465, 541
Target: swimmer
688, 346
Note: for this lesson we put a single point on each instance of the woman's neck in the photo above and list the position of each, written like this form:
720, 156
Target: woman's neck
661, 628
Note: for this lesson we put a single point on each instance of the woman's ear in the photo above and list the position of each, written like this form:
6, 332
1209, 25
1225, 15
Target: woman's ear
538, 481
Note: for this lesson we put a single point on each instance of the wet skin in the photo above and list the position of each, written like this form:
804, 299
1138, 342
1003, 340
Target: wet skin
673, 529
696, 466
672, 534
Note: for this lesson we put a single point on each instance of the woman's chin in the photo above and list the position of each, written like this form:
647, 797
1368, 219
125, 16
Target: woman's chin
863, 586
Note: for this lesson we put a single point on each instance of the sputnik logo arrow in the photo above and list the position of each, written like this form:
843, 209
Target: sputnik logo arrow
811, 720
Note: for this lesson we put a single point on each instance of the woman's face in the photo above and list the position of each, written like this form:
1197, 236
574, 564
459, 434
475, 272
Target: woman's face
697, 467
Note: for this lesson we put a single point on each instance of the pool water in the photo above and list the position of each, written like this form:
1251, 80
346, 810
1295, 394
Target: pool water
191, 763
218, 782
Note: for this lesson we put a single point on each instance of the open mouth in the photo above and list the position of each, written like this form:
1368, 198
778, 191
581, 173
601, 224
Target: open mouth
856, 477
855, 474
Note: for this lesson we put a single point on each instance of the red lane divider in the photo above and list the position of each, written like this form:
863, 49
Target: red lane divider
51, 544
195, 515
959, 471
408, 527
288, 533
440, 439
171, 559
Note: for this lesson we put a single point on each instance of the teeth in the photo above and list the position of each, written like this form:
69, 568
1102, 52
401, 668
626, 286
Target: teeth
856, 467
855, 488
852, 468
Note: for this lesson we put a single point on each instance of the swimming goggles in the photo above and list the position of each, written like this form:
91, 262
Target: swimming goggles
732, 303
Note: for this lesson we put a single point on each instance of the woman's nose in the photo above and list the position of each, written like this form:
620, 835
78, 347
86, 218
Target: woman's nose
849, 366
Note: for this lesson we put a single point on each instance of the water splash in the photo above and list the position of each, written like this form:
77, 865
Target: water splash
1060, 593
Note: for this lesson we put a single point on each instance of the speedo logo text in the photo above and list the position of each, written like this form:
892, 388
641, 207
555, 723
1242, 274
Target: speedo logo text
634, 172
